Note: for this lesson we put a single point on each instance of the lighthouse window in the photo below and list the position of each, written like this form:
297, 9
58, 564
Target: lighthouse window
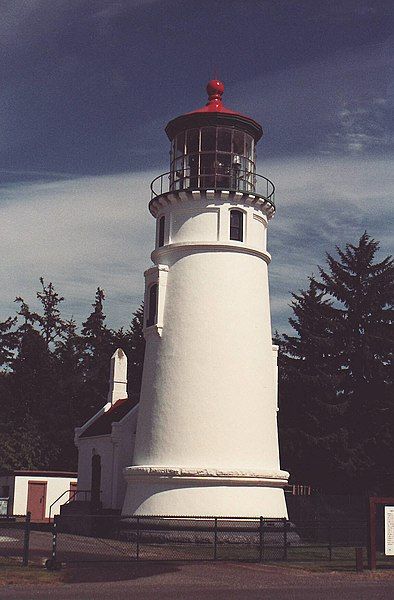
213, 157
180, 144
152, 305
236, 225
224, 139
162, 222
192, 140
238, 143
208, 139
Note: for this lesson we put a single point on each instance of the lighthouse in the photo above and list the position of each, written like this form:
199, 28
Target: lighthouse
207, 438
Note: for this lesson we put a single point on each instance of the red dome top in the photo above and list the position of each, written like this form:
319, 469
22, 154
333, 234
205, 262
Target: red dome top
214, 113
215, 89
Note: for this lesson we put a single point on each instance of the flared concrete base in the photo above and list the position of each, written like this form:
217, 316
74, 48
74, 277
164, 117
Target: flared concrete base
181, 492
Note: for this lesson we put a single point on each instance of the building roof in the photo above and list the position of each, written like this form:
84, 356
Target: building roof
214, 113
103, 424
39, 473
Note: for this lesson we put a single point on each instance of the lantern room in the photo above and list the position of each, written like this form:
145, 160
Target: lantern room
213, 147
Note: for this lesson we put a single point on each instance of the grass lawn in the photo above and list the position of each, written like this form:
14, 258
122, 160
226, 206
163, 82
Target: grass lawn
13, 573
312, 559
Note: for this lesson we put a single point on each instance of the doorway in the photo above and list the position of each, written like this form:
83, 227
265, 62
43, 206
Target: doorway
36, 499
73, 491
96, 481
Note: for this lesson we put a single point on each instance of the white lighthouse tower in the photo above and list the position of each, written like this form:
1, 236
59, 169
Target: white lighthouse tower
207, 441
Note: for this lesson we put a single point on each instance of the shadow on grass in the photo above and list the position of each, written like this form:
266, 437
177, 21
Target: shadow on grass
89, 573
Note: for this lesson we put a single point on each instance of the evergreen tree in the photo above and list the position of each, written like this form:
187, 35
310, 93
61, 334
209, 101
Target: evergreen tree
363, 291
336, 379
98, 346
50, 321
310, 415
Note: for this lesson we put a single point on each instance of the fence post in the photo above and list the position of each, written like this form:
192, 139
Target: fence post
54, 541
284, 538
261, 540
215, 539
329, 541
26, 540
138, 539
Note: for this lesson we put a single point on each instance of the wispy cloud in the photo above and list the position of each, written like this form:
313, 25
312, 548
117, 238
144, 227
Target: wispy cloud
93, 231
360, 126
79, 234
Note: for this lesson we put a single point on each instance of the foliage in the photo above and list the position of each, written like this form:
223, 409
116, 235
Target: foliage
54, 376
336, 412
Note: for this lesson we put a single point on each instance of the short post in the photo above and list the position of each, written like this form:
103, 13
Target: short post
215, 539
261, 539
371, 548
359, 559
329, 541
54, 541
138, 539
285, 524
26, 540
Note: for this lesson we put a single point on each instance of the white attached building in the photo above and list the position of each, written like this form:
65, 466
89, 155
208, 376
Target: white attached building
106, 442
39, 492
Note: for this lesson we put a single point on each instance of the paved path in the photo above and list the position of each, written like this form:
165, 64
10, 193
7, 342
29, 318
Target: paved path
206, 581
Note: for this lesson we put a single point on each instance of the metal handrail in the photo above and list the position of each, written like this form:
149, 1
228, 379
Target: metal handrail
70, 499
262, 186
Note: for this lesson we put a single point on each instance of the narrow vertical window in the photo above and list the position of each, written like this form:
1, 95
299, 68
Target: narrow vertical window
236, 225
162, 221
152, 305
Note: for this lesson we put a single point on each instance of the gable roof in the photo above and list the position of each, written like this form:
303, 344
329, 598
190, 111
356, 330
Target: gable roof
103, 425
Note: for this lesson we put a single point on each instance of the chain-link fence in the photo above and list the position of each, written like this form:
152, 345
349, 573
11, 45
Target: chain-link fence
14, 538
115, 538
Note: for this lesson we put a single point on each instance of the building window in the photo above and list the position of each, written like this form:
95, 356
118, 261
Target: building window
162, 221
152, 305
236, 225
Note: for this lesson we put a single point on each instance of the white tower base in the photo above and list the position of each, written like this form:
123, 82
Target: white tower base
204, 492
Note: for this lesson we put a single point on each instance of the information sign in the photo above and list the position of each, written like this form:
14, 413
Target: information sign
3, 506
389, 530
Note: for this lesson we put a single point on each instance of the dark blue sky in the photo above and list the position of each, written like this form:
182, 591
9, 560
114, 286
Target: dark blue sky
88, 86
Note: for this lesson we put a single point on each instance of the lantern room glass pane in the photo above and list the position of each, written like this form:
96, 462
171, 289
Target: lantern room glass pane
238, 142
213, 157
248, 147
192, 141
208, 139
224, 139
223, 170
180, 144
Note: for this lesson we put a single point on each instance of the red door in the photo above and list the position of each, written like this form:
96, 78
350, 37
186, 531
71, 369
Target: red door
36, 499
73, 490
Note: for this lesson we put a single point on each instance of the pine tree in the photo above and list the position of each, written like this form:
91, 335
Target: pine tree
310, 408
50, 321
336, 380
98, 345
363, 291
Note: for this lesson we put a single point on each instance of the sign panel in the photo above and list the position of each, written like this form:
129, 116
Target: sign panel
3, 507
389, 530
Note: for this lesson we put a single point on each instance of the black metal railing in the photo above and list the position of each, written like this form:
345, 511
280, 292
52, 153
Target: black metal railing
110, 538
73, 494
235, 181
